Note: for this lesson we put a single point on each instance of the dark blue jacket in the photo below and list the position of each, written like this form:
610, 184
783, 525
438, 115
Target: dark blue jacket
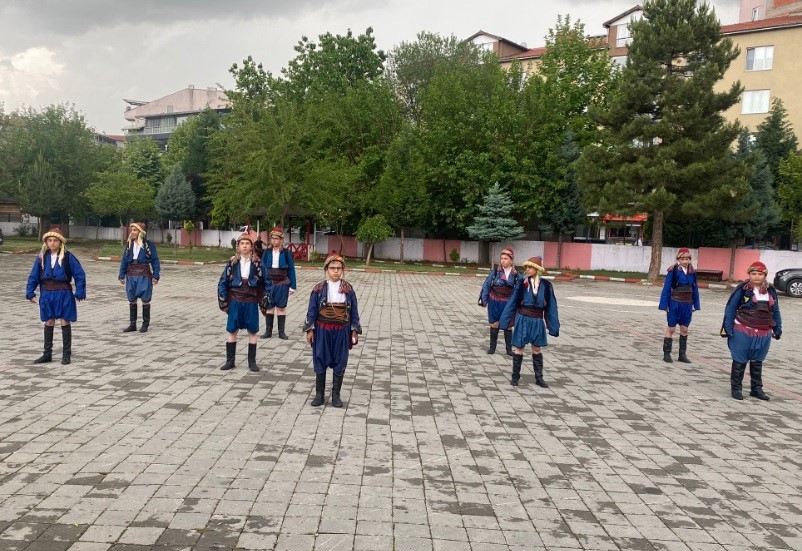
545, 299
742, 298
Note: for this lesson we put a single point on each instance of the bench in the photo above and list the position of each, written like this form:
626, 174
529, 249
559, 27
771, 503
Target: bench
716, 275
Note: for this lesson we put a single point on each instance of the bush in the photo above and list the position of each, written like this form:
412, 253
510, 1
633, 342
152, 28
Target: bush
169, 238
25, 230
454, 255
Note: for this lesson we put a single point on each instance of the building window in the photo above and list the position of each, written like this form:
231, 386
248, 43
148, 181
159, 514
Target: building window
619, 61
622, 36
755, 101
760, 58
756, 14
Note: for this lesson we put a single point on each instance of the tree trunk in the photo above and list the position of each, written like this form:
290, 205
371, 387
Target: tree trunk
733, 250
559, 250
657, 245
122, 233
402, 246
44, 225
445, 253
370, 250
484, 253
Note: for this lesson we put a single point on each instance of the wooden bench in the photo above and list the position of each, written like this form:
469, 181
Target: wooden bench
716, 275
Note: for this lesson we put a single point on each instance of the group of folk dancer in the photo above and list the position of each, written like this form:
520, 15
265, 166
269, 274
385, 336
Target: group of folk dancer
522, 306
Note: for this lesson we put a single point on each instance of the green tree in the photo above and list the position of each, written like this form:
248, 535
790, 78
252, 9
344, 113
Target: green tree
57, 133
336, 63
494, 222
120, 194
664, 141
568, 211
142, 157
40, 191
412, 65
401, 194
371, 231
175, 199
757, 211
789, 194
776, 139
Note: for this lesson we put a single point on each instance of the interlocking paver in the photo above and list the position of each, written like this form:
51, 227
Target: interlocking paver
143, 443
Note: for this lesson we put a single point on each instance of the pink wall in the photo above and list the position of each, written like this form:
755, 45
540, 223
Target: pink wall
184, 238
434, 249
576, 256
719, 259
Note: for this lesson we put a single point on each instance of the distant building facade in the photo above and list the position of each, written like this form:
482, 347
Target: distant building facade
157, 119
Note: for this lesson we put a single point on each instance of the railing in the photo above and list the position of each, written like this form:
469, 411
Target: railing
300, 251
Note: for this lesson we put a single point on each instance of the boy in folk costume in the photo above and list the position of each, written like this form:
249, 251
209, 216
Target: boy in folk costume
332, 328
280, 268
240, 294
53, 271
496, 292
140, 270
680, 299
751, 319
535, 309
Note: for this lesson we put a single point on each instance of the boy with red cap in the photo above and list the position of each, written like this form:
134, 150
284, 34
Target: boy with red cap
535, 309
280, 268
496, 292
332, 328
680, 299
53, 272
751, 319
140, 270
240, 294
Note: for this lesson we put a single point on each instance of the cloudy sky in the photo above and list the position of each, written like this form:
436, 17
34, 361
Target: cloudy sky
94, 53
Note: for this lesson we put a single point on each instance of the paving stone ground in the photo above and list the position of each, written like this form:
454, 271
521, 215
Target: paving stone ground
143, 444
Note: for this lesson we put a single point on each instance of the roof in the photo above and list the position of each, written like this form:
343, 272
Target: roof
599, 41
633, 9
497, 37
763, 25
186, 101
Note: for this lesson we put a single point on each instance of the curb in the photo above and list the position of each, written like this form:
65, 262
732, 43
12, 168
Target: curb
173, 262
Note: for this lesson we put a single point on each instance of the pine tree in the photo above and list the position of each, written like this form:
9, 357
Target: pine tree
494, 222
175, 199
665, 144
776, 139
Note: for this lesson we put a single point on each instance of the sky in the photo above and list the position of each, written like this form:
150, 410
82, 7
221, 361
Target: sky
94, 53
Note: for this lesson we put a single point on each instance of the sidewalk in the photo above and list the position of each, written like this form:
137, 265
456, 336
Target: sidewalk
143, 444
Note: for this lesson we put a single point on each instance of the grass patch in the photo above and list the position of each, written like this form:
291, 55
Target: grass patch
169, 252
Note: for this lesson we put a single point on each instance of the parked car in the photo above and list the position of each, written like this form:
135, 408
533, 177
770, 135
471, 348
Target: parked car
789, 281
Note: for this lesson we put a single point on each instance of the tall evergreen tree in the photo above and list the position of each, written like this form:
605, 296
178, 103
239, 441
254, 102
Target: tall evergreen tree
568, 211
665, 143
776, 139
175, 199
494, 223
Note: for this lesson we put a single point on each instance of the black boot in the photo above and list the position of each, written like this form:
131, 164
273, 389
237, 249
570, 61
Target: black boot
756, 374
667, 342
336, 385
517, 360
66, 339
231, 353
736, 380
132, 313
320, 389
47, 355
508, 341
493, 341
281, 321
145, 318
252, 357
683, 347
268, 326
537, 362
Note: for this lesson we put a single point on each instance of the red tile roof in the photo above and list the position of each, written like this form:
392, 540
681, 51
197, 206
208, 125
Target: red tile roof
763, 24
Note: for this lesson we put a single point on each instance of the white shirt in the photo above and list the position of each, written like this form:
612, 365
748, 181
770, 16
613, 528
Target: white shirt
137, 248
333, 293
276, 255
53, 258
245, 268
534, 284
507, 272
